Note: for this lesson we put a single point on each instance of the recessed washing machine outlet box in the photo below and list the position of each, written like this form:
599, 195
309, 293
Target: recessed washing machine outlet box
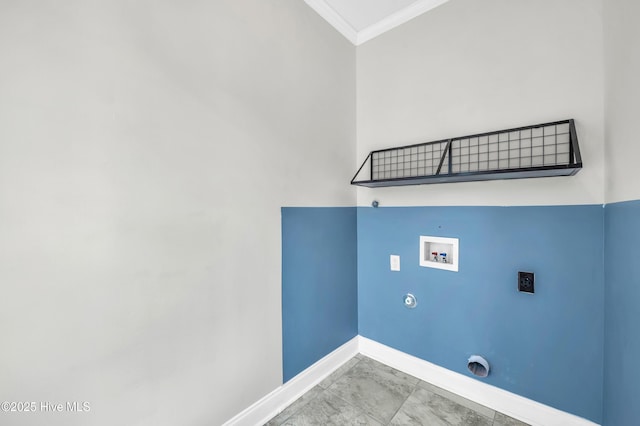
439, 253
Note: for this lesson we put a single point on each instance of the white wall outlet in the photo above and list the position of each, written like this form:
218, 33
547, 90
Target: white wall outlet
394, 262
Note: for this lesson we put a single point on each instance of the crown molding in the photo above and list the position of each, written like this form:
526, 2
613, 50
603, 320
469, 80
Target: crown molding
396, 19
335, 19
390, 22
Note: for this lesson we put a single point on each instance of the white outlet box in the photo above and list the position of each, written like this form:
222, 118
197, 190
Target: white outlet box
439, 245
394, 262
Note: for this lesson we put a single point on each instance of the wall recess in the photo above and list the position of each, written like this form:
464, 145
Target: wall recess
439, 253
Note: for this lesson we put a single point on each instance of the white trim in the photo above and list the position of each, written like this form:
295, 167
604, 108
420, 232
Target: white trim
398, 18
272, 404
511, 404
335, 19
374, 30
452, 247
508, 403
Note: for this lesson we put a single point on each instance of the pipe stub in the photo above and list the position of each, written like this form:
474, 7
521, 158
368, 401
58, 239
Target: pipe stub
478, 366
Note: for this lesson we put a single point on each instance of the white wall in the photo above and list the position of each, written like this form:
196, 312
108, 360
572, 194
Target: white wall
145, 151
622, 94
468, 67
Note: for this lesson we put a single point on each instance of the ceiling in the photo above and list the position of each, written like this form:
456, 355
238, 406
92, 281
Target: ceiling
362, 20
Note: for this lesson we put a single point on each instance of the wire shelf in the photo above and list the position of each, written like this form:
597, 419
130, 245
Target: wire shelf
549, 149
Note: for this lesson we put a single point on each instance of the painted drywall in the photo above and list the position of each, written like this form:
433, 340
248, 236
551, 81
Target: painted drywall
547, 346
468, 67
622, 226
622, 91
145, 151
622, 298
319, 284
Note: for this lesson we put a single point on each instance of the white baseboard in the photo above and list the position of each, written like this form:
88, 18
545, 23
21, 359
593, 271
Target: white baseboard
508, 403
273, 403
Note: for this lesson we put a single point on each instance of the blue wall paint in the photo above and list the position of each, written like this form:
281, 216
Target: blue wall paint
547, 346
319, 284
622, 310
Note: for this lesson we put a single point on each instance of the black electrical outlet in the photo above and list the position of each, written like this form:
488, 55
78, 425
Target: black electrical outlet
525, 282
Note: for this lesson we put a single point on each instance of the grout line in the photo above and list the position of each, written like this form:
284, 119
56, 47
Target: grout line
357, 408
361, 409
415, 387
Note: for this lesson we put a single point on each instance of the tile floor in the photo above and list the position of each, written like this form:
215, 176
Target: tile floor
366, 392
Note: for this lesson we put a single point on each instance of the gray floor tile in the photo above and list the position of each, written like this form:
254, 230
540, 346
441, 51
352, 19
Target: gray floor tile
389, 370
366, 392
377, 389
480, 409
503, 420
327, 409
339, 372
427, 408
295, 406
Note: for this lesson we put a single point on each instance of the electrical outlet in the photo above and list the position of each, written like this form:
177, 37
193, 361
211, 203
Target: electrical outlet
525, 282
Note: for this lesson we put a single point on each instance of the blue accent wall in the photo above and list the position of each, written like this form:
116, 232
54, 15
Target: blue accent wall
319, 284
547, 346
622, 308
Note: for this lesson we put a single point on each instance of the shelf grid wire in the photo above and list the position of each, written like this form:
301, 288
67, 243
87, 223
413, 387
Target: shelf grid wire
546, 145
